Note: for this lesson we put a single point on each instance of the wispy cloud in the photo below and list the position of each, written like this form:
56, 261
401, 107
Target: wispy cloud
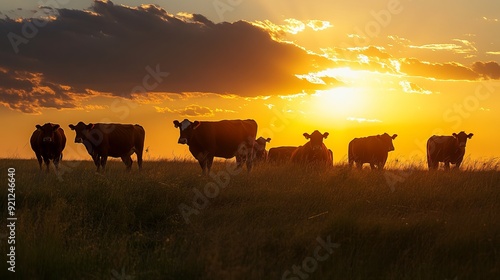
410, 87
292, 26
363, 120
189, 111
491, 19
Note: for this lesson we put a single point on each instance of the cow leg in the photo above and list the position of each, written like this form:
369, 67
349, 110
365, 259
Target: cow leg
359, 165
47, 163
210, 160
373, 166
239, 161
104, 158
447, 165
128, 161
351, 163
433, 165
249, 165
139, 158
56, 162
39, 158
457, 165
97, 161
203, 165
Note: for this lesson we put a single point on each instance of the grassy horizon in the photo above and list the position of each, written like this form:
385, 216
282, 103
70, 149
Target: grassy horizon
395, 224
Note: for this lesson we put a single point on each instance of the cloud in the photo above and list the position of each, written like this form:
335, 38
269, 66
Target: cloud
410, 87
292, 26
363, 120
488, 70
490, 19
445, 71
464, 47
189, 111
110, 47
29, 92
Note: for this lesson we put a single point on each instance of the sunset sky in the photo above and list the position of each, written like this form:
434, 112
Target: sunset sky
350, 68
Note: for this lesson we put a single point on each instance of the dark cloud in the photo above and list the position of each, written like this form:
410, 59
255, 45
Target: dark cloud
445, 71
488, 70
108, 48
27, 92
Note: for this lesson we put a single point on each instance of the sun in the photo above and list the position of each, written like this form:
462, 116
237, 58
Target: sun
339, 102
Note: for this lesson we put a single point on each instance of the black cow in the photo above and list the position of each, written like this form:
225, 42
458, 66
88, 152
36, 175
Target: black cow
280, 154
259, 147
313, 151
225, 139
371, 149
447, 149
113, 140
48, 142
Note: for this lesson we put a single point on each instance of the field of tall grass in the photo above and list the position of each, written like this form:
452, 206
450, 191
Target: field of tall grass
270, 224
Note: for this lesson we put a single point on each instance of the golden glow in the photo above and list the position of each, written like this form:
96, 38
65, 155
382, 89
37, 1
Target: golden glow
339, 102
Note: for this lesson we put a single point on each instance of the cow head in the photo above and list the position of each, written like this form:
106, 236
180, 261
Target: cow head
186, 128
48, 131
82, 131
462, 138
387, 141
316, 139
260, 143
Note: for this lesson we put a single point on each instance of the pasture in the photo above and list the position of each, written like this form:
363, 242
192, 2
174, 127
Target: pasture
394, 224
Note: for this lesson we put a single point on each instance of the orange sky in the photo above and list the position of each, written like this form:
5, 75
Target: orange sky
362, 70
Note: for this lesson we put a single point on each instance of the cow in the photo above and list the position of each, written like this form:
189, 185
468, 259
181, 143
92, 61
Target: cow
111, 140
313, 151
280, 154
371, 149
225, 139
259, 147
447, 149
48, 142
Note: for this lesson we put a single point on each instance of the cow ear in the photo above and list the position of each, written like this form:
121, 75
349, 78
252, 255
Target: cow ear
325, 134
72, 127
306, 135
177, 123
196, 124
455, 135
470, 135
394, 136
38, 127
268, 140
55, 127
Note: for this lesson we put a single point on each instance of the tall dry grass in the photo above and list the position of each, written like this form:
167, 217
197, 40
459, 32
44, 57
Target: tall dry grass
421, 225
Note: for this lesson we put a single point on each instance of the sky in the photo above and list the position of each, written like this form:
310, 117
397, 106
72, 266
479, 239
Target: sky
350, 68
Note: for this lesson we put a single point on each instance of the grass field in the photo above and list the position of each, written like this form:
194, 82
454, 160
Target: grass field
269, 224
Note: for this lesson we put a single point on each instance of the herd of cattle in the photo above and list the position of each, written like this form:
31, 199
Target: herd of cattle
228, 139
